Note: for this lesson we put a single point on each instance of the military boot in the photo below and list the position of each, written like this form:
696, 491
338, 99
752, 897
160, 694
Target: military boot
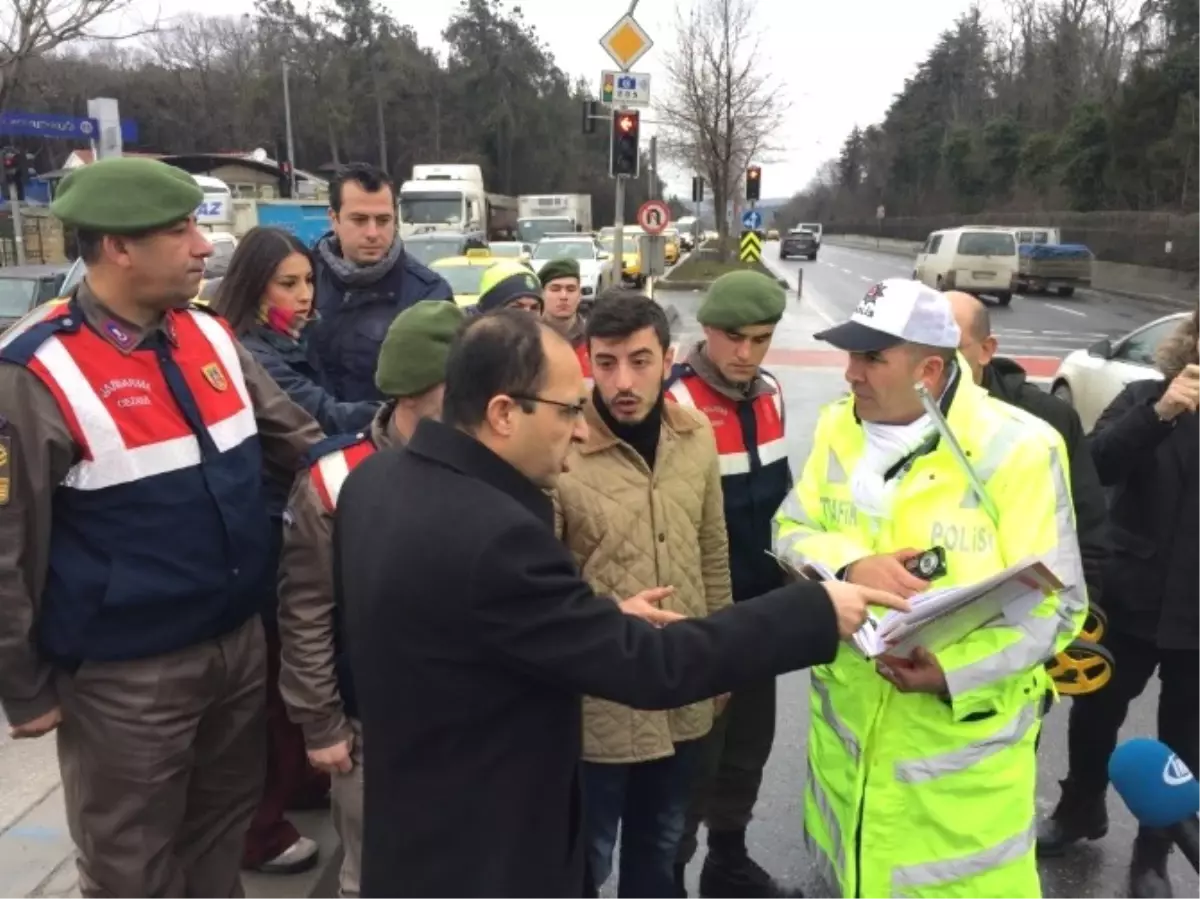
1080, 815
730, 873
1148, 878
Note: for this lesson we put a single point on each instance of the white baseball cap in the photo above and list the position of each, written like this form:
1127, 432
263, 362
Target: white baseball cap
893, 312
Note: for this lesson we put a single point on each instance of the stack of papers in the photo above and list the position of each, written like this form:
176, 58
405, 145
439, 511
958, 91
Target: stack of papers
943, 616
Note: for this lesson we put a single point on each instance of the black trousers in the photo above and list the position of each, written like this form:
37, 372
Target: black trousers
1096, 717
730, 771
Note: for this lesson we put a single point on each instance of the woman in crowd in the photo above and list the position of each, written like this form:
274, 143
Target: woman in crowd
267, 298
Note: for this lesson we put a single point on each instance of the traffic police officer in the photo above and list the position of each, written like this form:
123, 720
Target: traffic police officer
723, 378
132, 537
315, 676
922, 773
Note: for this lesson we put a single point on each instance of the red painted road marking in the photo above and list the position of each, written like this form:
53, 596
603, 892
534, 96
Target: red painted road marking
1035, 366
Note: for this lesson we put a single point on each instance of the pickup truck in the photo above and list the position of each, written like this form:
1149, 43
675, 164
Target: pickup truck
1053, 268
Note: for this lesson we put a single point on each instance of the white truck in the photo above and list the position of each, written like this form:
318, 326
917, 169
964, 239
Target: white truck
541, 214
453, 198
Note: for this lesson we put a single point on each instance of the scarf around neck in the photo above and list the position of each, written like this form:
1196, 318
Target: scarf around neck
352, 274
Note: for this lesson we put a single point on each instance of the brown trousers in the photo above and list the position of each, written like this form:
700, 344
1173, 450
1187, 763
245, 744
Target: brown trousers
162, 762
346, 793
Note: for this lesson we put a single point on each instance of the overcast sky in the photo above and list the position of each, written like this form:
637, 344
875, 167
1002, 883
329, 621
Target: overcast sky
839, 61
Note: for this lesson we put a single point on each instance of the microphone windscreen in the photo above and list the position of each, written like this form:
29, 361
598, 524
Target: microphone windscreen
1154, 783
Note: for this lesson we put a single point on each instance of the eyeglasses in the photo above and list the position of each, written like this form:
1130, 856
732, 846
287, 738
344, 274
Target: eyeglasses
575, 409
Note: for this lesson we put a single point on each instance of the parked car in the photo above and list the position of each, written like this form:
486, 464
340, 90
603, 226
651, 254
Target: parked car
24, 287
1091, 379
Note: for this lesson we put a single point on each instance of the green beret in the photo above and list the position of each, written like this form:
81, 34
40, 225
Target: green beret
738, 299
559, 268
412, 358
126, 195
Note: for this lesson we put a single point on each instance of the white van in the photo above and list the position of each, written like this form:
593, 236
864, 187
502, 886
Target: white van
815, 228
974, 260
215, 212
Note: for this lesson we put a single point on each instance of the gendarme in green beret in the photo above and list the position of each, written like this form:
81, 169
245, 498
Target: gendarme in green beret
126, 195
738, 299
412, 358
561, 267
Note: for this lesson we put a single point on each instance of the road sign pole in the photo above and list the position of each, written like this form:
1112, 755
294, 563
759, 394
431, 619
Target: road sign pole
619, 228
18, 227
653, 192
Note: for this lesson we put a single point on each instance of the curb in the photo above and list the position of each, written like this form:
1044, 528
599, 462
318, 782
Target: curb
37, 857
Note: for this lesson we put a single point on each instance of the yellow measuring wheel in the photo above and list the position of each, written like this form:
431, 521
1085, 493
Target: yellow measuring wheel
1094, 625
1083, 667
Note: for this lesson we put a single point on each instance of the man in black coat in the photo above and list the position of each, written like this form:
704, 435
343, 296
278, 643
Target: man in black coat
1006, 380
472, 636
1145, 447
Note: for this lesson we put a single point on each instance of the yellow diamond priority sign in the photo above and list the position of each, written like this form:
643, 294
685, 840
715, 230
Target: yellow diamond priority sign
626, 42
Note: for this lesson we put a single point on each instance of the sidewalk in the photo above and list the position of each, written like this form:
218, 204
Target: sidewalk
37, 857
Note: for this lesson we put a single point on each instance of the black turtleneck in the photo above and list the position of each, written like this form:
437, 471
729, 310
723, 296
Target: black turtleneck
642, 435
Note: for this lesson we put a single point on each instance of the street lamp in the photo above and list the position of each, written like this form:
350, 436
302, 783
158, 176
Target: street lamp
287, 118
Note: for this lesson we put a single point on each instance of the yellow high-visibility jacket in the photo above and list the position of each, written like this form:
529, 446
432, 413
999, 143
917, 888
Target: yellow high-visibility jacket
911, 794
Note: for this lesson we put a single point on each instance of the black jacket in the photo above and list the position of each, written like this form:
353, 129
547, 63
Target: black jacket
472, 638
1152, 589
1006, 380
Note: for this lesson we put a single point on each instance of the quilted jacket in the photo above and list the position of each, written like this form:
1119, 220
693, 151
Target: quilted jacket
631, 529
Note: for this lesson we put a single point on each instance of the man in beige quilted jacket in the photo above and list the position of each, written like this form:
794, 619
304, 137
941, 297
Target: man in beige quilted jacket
641, 506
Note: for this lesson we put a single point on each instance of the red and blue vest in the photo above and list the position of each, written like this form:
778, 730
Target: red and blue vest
160, 536
755, 475
329, 464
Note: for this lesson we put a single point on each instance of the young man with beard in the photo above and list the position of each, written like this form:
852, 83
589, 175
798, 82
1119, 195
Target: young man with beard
315, 675
561, 294
640, 507
723, 378
364, 279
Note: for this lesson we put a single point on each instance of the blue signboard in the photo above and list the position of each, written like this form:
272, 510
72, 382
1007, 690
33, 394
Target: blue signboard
44, 124
751, 220
308, 221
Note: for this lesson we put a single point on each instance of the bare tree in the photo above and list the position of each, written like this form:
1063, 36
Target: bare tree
32, 28
722, 108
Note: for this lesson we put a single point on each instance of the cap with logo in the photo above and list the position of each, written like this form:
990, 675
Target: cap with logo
893, 312
506, 282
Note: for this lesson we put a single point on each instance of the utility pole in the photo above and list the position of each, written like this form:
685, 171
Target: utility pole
14, 203
287, 120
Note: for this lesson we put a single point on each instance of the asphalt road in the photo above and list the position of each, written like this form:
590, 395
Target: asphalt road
1034, 326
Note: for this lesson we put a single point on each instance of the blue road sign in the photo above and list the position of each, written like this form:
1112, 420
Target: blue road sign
626, 83
44, 124
751, 220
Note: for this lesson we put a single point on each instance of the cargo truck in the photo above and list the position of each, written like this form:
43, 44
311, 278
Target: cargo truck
540, 215
453, 198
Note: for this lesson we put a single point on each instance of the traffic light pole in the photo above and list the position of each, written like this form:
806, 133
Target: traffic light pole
619, 227
14, 203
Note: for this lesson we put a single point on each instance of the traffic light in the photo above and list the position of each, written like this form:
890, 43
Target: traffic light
591, 109
753, 182
623, 157
14, 170
697, 189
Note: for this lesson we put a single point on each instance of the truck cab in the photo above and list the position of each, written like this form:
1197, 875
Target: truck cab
452, 198
215, 212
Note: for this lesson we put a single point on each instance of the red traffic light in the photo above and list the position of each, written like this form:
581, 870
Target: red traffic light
752, 173
626, 123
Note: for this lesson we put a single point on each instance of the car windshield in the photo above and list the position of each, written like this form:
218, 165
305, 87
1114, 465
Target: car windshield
986, 243
17, 295
507, 250
565, 249
533, 230
431, 209
463, 279
429, 250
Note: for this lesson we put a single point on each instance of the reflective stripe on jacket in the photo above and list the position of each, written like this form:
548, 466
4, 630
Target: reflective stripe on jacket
910, 794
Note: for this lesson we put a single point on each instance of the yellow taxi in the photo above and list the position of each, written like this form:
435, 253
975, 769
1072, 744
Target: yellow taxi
671, 246
463, 274
631, 260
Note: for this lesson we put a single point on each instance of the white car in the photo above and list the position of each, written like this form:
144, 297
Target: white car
595, 266
1091, 379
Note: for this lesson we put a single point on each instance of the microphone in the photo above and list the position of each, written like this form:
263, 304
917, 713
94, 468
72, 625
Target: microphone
1160, 791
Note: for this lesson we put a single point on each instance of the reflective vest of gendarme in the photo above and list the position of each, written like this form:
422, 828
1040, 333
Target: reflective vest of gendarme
911, 794
755, 477
329, 464
160, 536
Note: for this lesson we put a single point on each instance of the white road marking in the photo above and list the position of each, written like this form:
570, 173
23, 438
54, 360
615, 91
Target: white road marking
865, 278
847, 271
1066, 310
